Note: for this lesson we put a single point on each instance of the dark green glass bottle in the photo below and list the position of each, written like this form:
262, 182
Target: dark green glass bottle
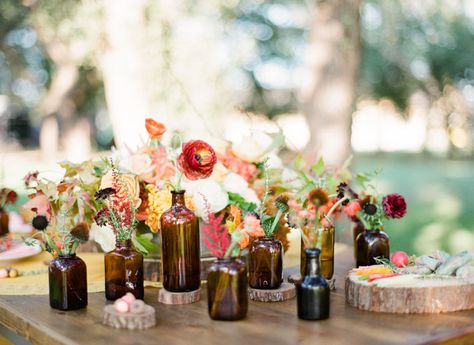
312, 292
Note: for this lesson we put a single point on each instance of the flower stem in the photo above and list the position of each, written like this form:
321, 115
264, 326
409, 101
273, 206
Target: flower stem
275, 222
333, 208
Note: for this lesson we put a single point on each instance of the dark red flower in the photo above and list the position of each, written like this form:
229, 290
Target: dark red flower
155, 129
12, 196
197, 159
394, 205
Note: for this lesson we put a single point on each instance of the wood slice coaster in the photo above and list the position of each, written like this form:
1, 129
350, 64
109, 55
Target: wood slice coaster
115, 319
167, 297
295, 278
423, 295
284, 292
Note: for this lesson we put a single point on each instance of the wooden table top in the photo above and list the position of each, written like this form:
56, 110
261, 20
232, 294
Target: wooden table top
266, 323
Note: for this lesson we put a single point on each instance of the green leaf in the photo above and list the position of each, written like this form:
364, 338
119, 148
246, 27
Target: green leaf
240, 202
299, 163
144, 243
278, 139
318, 168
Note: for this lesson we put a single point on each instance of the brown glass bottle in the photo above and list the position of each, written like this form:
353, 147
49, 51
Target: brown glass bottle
357, 228
67, 283
372, 244
123, 271
265, 263
227, 293
312, 292
180, 247
327, 254
4, 219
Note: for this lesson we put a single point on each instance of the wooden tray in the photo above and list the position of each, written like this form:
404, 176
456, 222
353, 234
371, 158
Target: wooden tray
429, 295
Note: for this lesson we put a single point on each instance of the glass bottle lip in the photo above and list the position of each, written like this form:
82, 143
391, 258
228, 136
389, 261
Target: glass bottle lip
226, 258
123, 243
181, 191
312, 252
67, 256
267, 238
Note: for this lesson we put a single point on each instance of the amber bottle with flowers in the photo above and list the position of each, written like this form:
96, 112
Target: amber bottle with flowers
7, 196
63, 213
119, 196
227, 283
373, 210
180, 240
265, 259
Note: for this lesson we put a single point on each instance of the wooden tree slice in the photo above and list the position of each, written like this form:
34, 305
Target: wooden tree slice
284, 292
167, 297
295, 278
115, 319
428, 295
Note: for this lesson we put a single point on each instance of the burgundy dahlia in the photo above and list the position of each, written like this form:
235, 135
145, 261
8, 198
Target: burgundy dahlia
394, 205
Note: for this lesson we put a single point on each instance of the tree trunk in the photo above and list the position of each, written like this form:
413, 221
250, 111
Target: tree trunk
333, 59
124, 69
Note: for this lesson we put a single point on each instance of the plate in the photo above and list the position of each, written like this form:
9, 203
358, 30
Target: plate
19, 251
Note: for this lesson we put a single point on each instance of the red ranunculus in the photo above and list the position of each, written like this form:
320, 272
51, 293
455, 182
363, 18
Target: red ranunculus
155, 129
394, 205
197, 160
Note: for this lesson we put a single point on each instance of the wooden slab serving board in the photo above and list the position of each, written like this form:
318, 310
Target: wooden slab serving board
425, 295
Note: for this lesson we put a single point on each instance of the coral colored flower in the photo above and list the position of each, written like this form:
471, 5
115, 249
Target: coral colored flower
352, 208
240, 167
253, 226
39, 204
197, 159
394, 205
244, 240
155, 129
128, 186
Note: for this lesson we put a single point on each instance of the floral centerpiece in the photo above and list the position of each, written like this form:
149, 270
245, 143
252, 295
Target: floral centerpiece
63, 211
373, 210
119, 196
227, 276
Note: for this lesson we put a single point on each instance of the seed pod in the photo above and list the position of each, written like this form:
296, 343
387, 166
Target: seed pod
137, 307
13, 273
40, 222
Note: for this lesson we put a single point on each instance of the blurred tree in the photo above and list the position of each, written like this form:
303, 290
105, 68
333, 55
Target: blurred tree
333, 59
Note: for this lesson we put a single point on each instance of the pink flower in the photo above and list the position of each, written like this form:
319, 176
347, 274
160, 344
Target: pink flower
40, 205
352, 208
253, 226
394, 205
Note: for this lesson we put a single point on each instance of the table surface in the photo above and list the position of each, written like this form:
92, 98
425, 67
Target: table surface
266, 323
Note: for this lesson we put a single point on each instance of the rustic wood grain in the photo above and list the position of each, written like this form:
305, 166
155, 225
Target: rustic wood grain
432, 296
266, 323
285, 292
168, 297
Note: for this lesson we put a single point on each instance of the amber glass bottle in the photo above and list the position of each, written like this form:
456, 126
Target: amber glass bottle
265, 263
227, 295
4, 219
180, 247
357, 228
312, 292
67, 283
372, 244
327, 253
123, 271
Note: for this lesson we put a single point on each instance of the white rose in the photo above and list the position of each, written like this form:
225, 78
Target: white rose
104, 236
252, 148
207, 195
235, 183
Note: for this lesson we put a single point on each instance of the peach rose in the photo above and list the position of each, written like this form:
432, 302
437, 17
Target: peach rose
129, 184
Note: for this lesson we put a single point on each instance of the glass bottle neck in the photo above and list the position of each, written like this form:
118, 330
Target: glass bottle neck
122, 244
177, 198
67, 256
313, 266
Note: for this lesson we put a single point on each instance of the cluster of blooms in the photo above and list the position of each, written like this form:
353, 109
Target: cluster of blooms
120, 194
63, 210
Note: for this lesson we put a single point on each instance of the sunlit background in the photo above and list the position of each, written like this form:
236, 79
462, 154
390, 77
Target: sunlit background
390, 81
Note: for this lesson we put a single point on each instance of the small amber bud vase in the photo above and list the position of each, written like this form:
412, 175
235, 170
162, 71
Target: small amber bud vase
312, 292
327, 253
265, 263
67, 282
227, 292
372, 244
180, 247
4, 219
357, 228
123, 271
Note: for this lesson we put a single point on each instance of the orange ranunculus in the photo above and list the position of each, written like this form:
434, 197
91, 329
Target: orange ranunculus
236, 215
244, 240
197, 160
154, 128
